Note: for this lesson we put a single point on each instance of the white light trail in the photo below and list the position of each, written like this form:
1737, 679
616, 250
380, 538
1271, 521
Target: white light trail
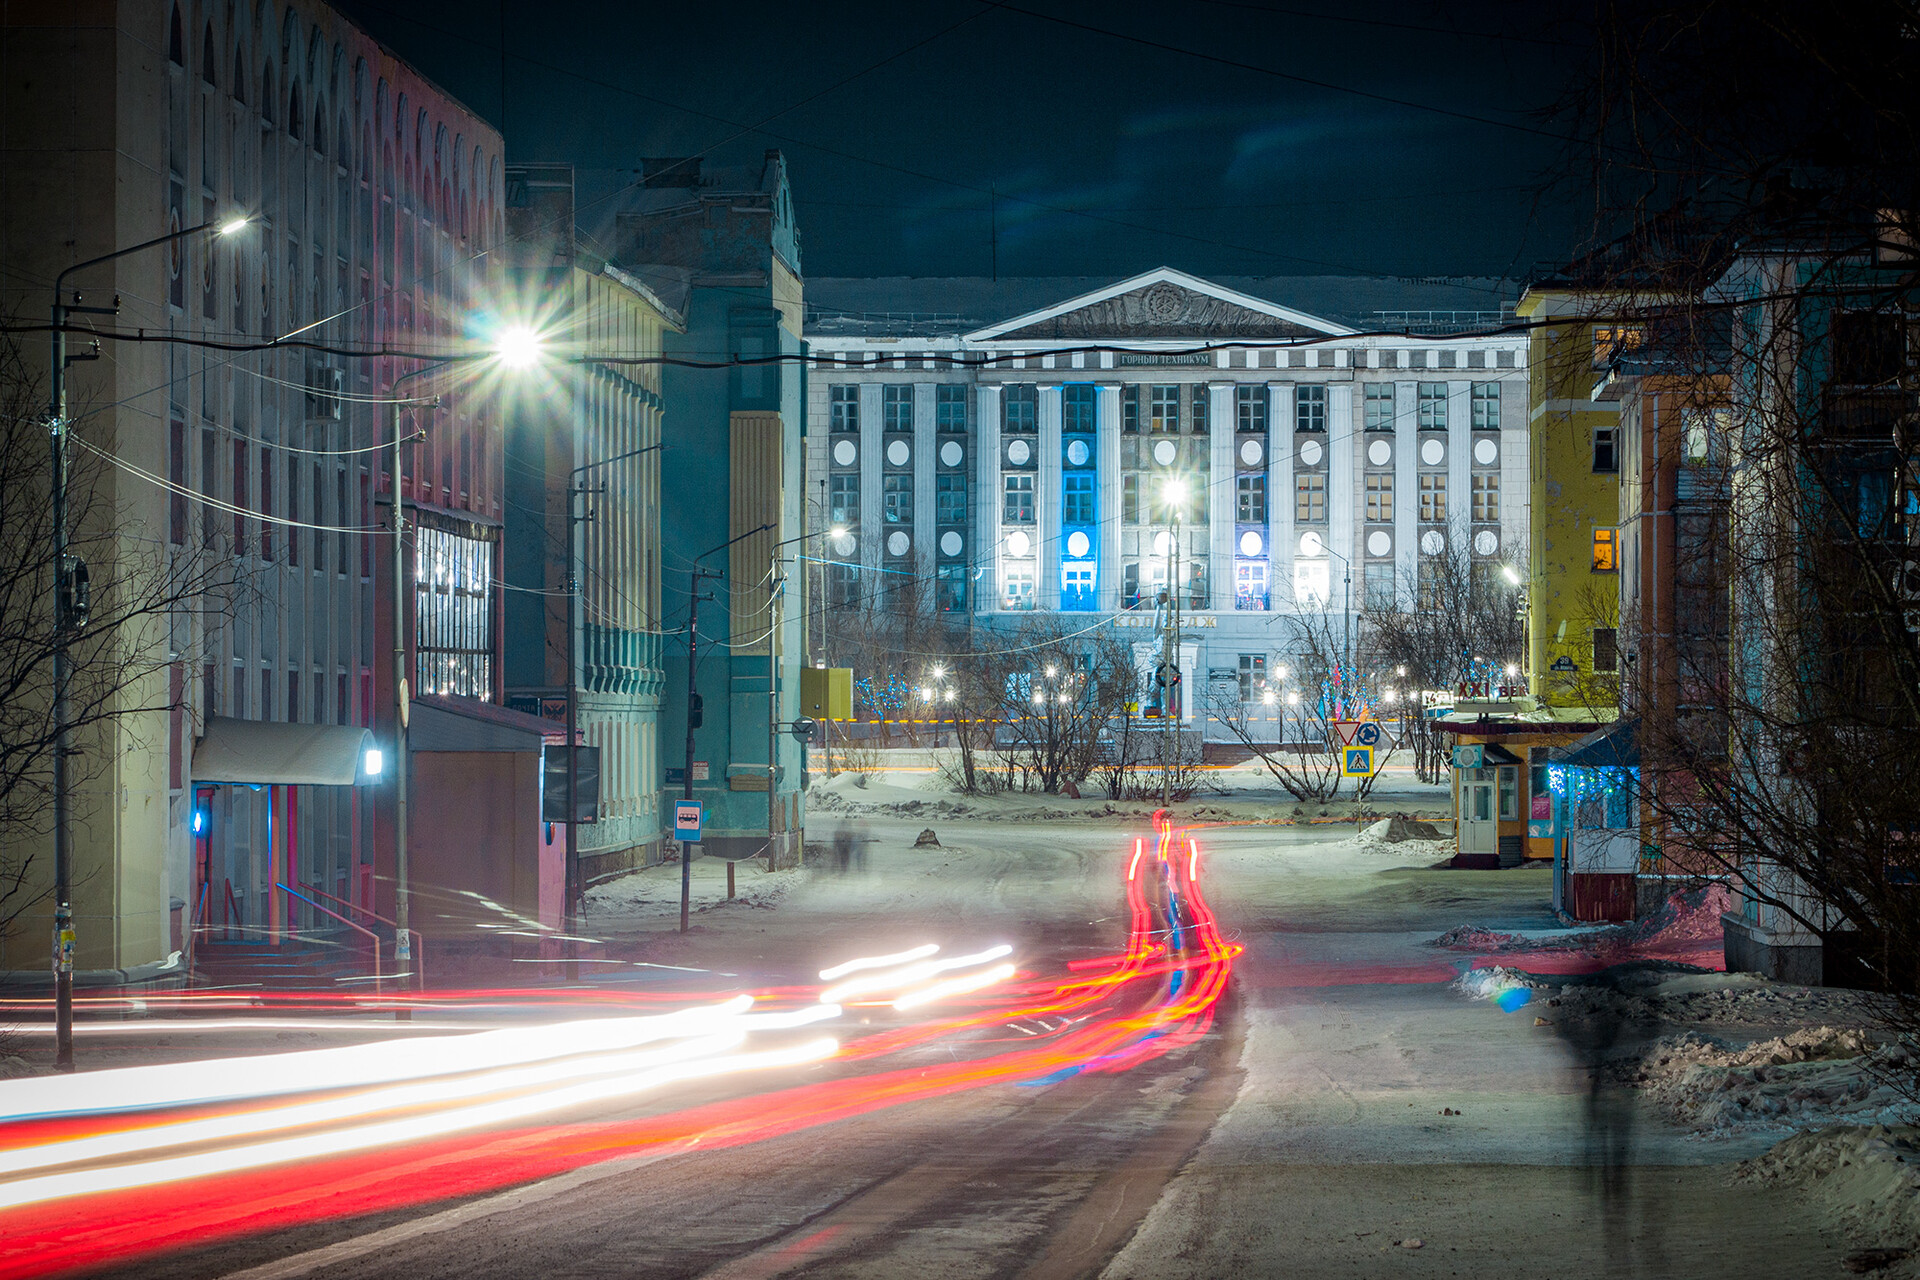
898, 978
875, 962
414, 1128
954, 987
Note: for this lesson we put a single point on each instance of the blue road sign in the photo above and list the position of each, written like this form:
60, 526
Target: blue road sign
686, 820
1368, 734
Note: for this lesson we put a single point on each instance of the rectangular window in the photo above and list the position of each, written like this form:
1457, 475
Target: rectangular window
266, 503
1378, 587
1433, 497
1250, 492
1606, 649
1250, 585
1202, 408
950, 499
1433, 406
1380, 496
1379, 406
239, 497
1076, 500
1612, 341
1130, 409
1606, 449
177, 473
1250, 408
896, 408
1310, 498
1130, 585
1018, 508
1163, 408
843, 585
1486, 498
1130, 498
950, 588
1509, 792
1020, 407
1076, 408
950, 407
896, 499
845, 407
1309, 408
1704, 434
1253, 675
1486, 406
1604, 560
454, 610
843, 501
1019, 586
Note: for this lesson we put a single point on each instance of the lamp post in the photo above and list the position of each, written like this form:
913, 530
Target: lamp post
776, 586
70, 608
1172, 493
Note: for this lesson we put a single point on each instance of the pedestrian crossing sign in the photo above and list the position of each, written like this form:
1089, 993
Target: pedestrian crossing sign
1356, 762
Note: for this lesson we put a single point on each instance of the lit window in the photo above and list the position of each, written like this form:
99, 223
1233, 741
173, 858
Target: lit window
1380, 496
1163, 408
1603, 551
1486, 498
453, 610
1704, 433
1433, 497
1310, 498
1076, 408
1609, 341
1250, 585
1019, 500
1019, 586
1076, 506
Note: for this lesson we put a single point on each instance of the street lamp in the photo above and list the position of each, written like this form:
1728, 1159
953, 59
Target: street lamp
1173, 495
1510, 573
70, 609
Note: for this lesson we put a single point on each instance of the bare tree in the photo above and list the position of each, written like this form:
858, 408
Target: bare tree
146, 590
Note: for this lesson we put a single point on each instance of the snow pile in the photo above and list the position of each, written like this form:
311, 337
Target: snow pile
656, 891
1866, 1176
1687, 922
1810, 1076
1399, 827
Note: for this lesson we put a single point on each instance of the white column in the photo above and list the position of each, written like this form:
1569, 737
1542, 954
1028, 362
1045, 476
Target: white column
1514, 475
987, 502
1406, 487
1220, 496
1340, 488
1459, 460
1106, 418
1280, 491
924, 462
873, 529
1046, 507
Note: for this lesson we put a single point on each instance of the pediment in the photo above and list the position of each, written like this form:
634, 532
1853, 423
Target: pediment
1161, 305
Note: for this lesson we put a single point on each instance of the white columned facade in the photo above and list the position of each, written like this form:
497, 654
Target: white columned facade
924, 462
986, 587
1106, 418
873, 522
1046, 508
1280, 492
1406, 491
1348, 582
1220, 496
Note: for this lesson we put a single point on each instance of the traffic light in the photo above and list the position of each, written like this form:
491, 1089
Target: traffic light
696, 711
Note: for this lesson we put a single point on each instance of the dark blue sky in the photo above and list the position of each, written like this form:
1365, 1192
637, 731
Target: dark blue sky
1111, 152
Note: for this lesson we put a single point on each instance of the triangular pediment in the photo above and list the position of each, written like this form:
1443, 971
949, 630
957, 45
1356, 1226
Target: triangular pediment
1161, 305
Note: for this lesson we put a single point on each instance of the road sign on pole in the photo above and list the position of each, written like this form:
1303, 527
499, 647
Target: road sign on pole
1368, 734
686, 821
1356, 762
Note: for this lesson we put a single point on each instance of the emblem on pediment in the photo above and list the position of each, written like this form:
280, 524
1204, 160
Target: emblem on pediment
1160, 310
1164, 304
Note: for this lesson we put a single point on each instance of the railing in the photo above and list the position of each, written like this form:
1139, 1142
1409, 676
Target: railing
419, 945
373, 939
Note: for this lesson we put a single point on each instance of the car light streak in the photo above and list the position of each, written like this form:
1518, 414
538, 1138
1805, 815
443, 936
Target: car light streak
876, 962
683, 1062
898, 978
954, 987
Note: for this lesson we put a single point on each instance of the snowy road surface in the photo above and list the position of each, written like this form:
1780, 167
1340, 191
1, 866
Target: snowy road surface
1304, 1135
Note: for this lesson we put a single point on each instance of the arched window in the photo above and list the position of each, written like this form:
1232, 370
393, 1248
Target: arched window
176, 41
267, 96
296, 118
239, 77
206, 55
320, 126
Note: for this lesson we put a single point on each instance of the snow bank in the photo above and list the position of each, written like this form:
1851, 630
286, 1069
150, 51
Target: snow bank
656, 891
1686, 927
1865, 1176
1812, 1076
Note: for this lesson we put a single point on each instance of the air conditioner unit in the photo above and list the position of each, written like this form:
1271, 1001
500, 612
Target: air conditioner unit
324, 385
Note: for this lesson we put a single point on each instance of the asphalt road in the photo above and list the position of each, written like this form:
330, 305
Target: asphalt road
1301, 1136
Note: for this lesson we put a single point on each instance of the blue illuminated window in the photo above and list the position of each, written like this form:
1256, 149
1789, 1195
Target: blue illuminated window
1076, 408
1077, 503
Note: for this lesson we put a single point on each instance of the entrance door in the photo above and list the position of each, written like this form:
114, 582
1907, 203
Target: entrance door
1479, 829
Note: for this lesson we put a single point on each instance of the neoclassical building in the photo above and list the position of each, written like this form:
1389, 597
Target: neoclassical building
1072, 452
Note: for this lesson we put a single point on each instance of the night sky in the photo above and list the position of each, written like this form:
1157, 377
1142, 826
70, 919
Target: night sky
1113, 150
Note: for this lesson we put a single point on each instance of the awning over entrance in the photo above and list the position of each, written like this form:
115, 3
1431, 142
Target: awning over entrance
261, 752
1615, 747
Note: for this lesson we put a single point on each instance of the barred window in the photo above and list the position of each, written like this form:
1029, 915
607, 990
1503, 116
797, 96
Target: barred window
1486, 406
1379, 406
1309, 408
1433, 406
846, 408
896, 408
1486, 498
1250, 408
1433, 497
1310, 498
1380, 496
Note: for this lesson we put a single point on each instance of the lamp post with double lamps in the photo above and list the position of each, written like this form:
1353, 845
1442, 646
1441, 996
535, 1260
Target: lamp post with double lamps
70, 610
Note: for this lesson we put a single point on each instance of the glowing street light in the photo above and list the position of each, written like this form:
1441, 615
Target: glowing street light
518, 346
1267, 697
1510, 573
1293, 699
235, 225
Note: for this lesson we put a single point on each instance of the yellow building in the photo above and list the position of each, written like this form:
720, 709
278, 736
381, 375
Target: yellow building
1573, 596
